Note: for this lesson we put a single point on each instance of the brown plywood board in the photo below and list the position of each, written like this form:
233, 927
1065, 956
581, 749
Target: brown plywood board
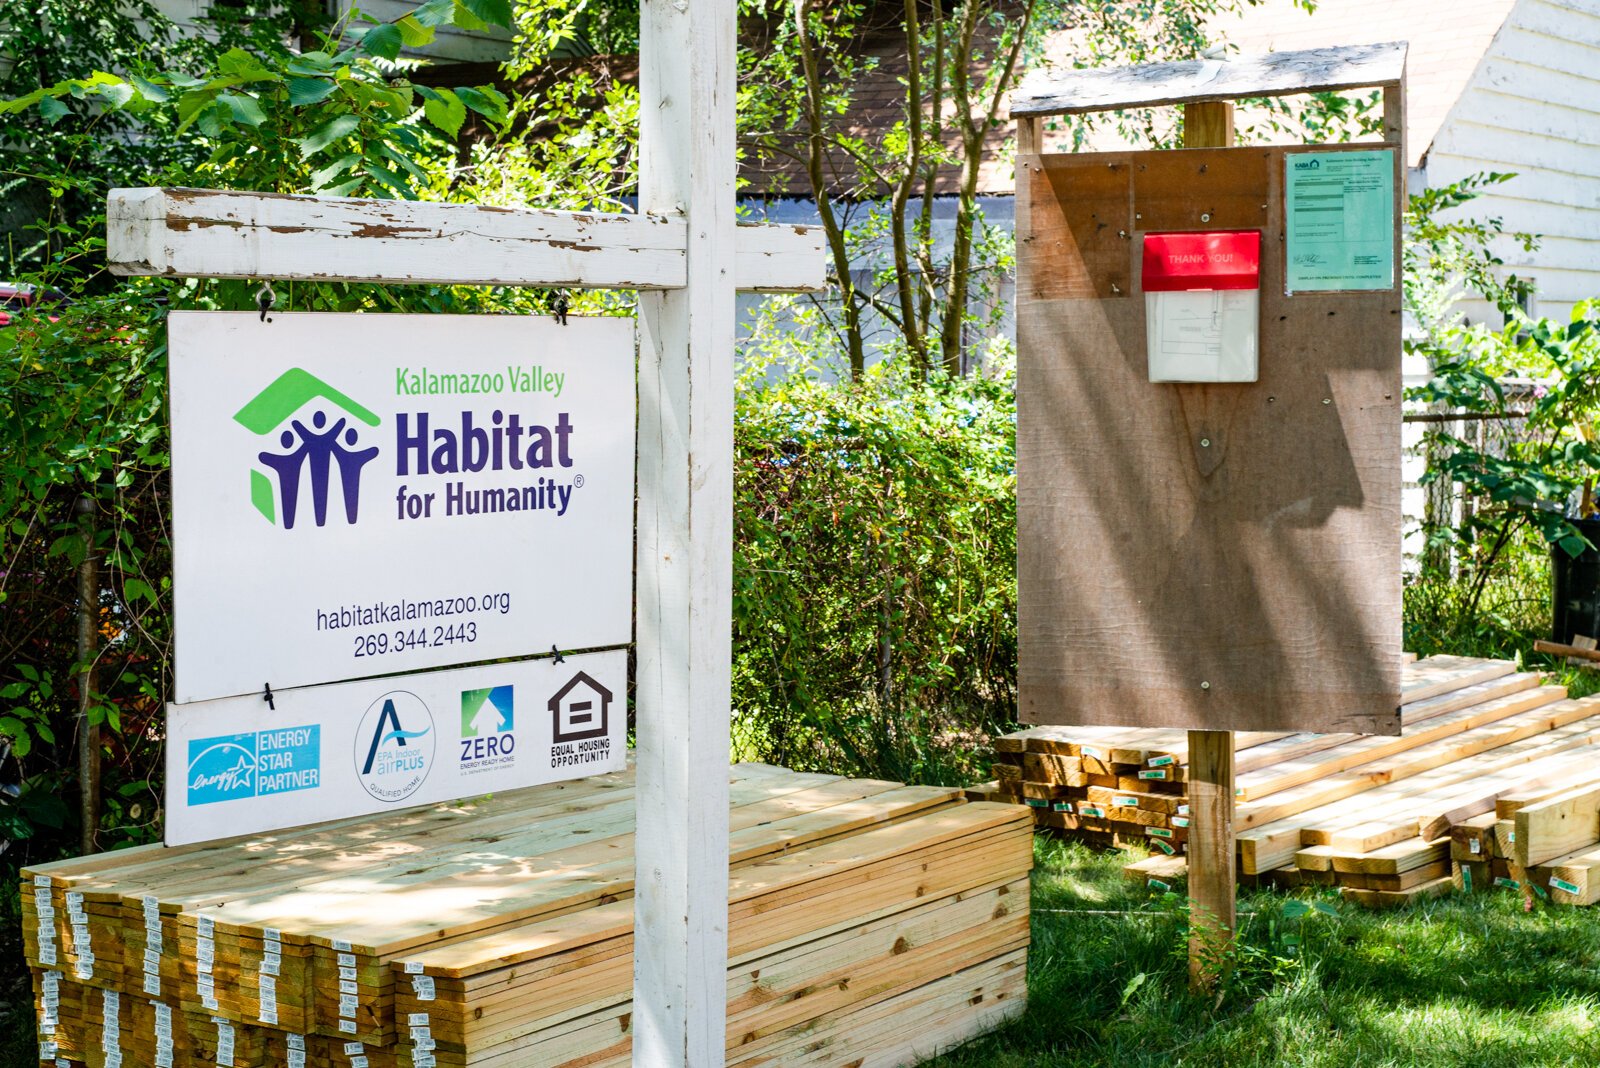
1251, 583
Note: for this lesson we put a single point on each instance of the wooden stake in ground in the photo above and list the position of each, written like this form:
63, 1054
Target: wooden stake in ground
1211, 879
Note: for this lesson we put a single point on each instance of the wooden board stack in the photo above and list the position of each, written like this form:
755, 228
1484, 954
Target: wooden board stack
1371, 814
867, 921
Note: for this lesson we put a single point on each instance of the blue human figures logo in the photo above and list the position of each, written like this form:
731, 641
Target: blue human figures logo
310, 454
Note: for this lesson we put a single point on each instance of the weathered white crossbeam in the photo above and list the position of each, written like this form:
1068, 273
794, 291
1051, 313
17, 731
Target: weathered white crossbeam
212, 234
1316, 70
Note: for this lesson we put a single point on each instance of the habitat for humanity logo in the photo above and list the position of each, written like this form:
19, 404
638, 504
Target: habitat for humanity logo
488, 718
394, 746
254, 764
310, 453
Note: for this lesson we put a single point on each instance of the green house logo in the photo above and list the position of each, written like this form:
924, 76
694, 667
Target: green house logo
486, 712
312, 455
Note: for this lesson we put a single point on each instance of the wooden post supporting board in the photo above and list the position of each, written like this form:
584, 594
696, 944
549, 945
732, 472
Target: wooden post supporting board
685, 541
1209, 124
1210, 850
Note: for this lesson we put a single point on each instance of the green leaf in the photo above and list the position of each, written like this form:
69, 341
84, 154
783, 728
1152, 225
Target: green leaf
311, 63
343, 189
463, 17
52, 109
494, 12
303, 91
214, 119
245, 109
435, 13
149, 90
239, 64
72, 546
117, 96
321, 178
383, 41
485, 100
138, 590
1573, 545
333, 130
391, 179
413, 32
445, 110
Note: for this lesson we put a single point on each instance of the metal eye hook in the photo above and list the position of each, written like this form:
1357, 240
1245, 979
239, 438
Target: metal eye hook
266, 299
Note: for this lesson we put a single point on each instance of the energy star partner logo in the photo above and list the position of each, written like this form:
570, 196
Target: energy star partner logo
394, 746
254, 764
488, 720
310, 454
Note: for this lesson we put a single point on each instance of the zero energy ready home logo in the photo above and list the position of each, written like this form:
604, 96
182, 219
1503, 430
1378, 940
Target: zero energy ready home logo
488, 722
306, 458
254, 764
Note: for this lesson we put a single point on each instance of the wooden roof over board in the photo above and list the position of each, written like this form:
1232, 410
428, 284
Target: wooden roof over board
1314, 70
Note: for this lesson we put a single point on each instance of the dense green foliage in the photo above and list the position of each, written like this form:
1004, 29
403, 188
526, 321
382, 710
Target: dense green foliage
1535, 470
875, 570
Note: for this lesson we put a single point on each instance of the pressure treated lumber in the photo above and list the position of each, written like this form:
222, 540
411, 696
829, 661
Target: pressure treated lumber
1558, 826
508, 925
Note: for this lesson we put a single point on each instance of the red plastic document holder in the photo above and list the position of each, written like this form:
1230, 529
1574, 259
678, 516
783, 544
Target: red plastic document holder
1191, 262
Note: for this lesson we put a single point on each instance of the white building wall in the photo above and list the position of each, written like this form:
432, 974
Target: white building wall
1533, 107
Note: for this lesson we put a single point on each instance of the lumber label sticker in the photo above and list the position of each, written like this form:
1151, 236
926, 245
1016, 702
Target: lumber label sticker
1562, 884
234, 766
373, 495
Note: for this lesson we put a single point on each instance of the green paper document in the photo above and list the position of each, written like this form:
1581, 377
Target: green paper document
1340, 211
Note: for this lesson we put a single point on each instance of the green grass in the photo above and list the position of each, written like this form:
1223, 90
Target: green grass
1466, 980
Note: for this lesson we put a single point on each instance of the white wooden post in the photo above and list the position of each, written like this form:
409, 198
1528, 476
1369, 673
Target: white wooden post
685, 540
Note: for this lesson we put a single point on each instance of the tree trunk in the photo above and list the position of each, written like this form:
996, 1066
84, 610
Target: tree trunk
816, 173
88, 651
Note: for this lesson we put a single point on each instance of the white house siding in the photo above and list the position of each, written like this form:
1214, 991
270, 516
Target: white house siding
449, 44
1533, 107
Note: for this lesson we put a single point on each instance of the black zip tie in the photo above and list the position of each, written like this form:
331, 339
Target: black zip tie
267, 697
561, 315
559, 658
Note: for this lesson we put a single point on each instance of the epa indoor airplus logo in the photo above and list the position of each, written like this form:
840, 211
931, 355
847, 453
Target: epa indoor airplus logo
488, 722
312, 458
254, 764
394, 746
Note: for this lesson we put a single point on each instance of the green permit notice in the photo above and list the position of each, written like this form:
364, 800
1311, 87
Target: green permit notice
1340, 214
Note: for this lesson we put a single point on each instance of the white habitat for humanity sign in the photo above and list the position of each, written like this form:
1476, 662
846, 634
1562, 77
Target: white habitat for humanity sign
362, 495
236, 766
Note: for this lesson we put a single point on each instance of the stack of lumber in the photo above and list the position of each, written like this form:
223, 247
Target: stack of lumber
868, 921
1543, 841
1373, 815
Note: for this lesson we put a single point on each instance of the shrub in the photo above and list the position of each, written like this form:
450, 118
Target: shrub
874, 569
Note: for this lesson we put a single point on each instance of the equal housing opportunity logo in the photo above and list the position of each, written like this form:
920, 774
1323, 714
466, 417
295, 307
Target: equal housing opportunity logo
312, 455
254, 764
